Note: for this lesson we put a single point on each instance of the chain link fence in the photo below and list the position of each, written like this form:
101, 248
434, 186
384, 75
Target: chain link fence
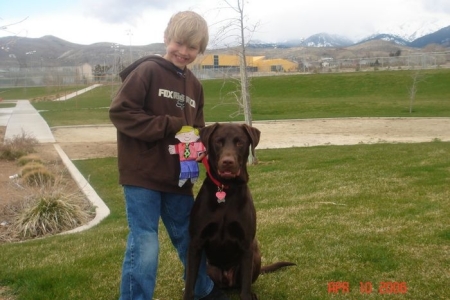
63, 76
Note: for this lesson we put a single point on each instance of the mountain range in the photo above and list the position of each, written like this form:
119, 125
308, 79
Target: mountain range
418, 39
50, 51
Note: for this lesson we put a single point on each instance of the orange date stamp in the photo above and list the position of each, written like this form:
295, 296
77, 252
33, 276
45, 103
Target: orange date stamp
384, 287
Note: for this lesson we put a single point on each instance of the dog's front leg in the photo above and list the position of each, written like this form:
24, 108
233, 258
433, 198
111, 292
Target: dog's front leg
192, 267
246, 276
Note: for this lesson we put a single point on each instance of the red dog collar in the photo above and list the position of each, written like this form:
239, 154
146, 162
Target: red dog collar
220, 187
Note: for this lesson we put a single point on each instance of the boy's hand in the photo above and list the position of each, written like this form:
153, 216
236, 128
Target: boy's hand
200, 157
172, 149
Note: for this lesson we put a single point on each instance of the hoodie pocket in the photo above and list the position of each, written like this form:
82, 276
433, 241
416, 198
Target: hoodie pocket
158, 165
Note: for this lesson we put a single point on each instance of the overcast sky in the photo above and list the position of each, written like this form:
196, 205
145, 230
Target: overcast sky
142, 22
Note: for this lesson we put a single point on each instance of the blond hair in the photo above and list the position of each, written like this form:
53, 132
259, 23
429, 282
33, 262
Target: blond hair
188, 27
187, 128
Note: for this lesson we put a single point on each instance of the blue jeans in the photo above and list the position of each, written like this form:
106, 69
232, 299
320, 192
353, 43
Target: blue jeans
144, 207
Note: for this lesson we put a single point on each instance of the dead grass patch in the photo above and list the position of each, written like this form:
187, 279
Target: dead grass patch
18, 146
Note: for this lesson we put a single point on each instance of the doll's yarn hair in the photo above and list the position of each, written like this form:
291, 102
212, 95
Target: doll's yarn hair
186, 129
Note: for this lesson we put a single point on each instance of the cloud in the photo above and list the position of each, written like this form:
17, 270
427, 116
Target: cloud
122, 11
439, 6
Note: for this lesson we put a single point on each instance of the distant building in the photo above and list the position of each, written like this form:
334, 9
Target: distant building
86, 72
232, 63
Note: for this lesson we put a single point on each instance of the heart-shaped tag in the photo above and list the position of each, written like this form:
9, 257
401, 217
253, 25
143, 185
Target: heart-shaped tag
221, 196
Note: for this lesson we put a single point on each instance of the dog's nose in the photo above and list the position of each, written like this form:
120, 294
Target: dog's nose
227, 162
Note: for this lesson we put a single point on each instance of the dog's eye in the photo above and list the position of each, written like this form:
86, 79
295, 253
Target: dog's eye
218, 142
239, 143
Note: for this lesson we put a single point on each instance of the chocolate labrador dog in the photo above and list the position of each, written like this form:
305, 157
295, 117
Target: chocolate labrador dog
223, 219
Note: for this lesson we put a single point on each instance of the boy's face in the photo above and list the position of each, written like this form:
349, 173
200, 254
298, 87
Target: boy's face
180, 54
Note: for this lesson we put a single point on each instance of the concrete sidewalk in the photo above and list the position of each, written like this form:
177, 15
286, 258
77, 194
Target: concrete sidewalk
24, 119
71, 95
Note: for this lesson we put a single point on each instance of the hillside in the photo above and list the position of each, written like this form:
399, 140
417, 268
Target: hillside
50, 51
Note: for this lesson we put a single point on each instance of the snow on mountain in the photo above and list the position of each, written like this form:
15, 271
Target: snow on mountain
326, 40
414, 29
317, 40
401, 34
386, 37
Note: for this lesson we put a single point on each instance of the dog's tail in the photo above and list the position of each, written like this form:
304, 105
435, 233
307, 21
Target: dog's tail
275, 266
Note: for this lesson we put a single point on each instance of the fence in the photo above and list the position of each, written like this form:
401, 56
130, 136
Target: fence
60, 76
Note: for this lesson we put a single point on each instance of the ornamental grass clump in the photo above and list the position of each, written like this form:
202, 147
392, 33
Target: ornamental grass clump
50, 207
37, 175
49, 213
30, 158
31, 166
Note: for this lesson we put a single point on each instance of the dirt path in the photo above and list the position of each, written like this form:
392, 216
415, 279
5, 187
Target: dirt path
100, 141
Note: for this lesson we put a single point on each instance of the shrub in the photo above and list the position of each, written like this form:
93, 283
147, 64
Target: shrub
32, 166
50, 212
30, 158
52, 207
38, 176
17, 146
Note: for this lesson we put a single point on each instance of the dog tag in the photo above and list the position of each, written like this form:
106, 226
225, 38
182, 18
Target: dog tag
221, 196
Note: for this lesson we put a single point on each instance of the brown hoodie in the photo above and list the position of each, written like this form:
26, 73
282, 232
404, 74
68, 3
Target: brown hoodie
155, 100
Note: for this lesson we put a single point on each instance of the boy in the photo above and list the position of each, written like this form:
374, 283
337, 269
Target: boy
158, 96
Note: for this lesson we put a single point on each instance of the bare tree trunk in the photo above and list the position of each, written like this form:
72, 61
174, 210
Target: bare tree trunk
416, 78
244, 99
245, 89
412, 94
243, 71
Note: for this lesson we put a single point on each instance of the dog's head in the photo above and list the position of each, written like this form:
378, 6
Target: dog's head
228, 146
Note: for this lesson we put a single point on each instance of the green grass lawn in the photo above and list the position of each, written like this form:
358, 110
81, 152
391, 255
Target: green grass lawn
376, 215
363, 213
365, 94
373, 94
37, 92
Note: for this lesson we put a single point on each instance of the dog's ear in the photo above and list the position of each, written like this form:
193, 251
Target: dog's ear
206, 132
254, 135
